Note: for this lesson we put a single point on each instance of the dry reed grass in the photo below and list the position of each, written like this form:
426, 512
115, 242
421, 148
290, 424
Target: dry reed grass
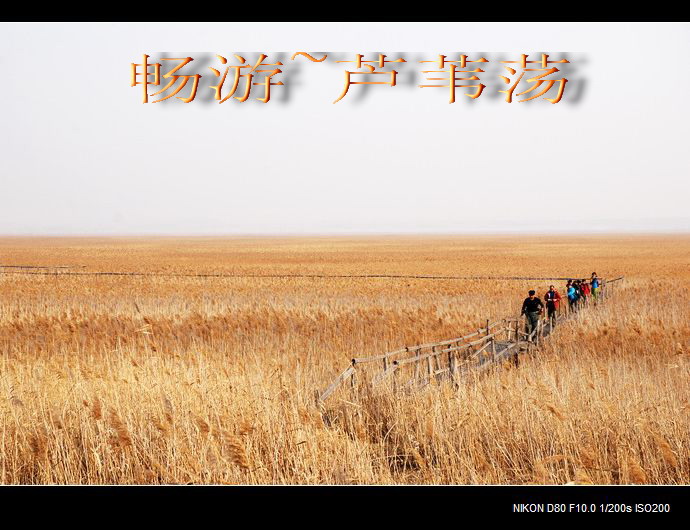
186, 380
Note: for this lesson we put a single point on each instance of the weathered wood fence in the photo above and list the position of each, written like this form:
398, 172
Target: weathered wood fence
419, 365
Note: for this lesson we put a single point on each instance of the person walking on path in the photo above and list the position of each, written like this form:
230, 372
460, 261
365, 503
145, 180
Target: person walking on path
584, 287
532, 307
578, 294
572, 295
553, 301
595, 287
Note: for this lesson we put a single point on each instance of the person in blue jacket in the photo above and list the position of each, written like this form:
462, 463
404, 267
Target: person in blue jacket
572, 294
596, 284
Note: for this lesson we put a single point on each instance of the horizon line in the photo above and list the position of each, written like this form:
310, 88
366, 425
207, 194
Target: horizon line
677, 232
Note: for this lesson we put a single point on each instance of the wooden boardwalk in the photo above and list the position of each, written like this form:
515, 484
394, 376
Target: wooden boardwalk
415, 366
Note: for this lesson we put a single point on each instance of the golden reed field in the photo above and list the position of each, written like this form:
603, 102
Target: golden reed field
173, 379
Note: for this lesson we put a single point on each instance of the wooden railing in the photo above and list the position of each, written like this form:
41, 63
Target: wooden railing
449, 359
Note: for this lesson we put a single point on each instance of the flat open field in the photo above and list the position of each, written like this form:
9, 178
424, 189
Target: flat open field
175, 378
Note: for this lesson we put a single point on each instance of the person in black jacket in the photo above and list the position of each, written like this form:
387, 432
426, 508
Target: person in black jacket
532, 307
553, 301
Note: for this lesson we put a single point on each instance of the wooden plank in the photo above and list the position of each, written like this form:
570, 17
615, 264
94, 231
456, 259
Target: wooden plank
362, 360
436, 353
481, 350
409, 360
340, 379
385, 375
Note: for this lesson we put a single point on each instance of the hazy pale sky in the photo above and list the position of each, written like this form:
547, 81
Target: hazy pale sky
81, 154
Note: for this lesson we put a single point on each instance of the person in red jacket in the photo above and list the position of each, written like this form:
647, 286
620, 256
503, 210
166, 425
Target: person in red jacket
553, 301
586, 291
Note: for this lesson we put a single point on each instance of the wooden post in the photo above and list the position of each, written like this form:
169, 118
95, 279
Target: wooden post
395, 379
352, 377
543, 327
416, 365
429, 363
517, 330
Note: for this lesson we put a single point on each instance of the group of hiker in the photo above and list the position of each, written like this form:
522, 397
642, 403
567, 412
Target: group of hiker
580, 292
